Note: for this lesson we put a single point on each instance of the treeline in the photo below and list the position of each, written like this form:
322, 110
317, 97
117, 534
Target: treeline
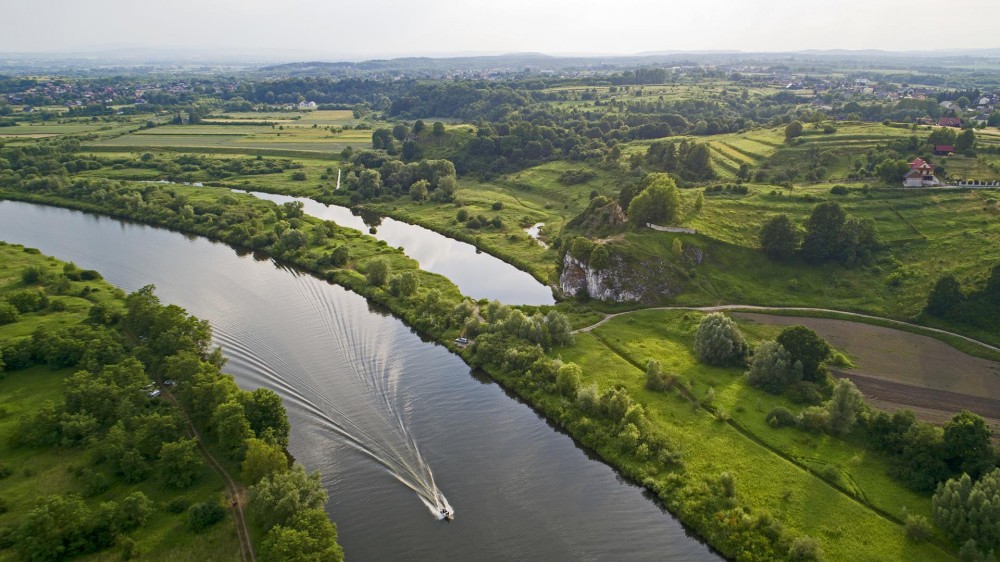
979, 308
830, 235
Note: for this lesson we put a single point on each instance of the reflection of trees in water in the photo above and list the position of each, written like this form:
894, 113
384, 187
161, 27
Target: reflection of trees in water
371, 218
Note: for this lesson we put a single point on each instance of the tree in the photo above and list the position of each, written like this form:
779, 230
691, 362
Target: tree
794, 129
266, 414
942, 136
772, 368
599, 258
568, 379
438, 129
377, 272
967, 446
262, 460
404, 284
54, 530
780, 238
966, 140
231, 428
309, 536
891, 171
699, 201
277, 498
946, 298
807, 347
844, 407
418, 191
400, 131
823, 232
134, 510
181, 462
381, 139
657, 204
718, 341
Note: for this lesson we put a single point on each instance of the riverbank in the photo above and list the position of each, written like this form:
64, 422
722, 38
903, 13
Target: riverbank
689, 477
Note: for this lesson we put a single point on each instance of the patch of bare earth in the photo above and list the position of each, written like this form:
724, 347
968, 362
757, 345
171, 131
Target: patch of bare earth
897, 369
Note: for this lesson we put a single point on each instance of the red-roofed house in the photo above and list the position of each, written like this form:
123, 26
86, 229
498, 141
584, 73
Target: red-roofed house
921, 174
949, 122
943, 149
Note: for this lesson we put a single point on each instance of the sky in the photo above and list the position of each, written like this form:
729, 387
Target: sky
336, 29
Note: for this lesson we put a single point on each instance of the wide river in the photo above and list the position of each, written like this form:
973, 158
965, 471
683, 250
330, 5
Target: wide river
396, 424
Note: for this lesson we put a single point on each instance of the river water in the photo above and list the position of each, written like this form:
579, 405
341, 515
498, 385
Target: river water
478, 275
393, 422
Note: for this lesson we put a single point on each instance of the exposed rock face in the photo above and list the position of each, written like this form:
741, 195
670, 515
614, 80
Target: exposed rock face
606, 284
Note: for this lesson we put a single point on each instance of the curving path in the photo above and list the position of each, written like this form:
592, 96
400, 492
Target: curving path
233, 490
750, 307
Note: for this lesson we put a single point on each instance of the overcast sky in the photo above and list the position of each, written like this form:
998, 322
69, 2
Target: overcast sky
366, 28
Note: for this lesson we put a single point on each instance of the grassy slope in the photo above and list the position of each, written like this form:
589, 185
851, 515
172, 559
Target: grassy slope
765, 480
38, 472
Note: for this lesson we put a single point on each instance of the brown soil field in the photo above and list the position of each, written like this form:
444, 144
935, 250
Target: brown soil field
897, 369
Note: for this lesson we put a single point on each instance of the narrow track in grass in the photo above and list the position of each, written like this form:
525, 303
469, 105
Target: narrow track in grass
235, 491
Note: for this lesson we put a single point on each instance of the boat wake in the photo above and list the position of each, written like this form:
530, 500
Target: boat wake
371, 417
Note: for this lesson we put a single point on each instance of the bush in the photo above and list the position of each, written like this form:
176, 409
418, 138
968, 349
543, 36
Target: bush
203, 515
814, 419
918, 529
462, 215
805, 392
8, 313
377, 272
805, 549
719, 341
177, 505
780, 417
839, 190
772, 369
656, 379
299, 176
497, 205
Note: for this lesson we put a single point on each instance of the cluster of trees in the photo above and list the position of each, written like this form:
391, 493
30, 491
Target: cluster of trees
978, 308
288, 507
968, 511
374, 174
830, 235
63, 526
658, 201
689, 161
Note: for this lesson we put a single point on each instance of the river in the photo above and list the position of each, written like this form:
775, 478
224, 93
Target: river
387, 417
478, 275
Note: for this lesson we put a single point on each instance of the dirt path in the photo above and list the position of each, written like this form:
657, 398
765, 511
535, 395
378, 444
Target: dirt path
236, 493
746, 307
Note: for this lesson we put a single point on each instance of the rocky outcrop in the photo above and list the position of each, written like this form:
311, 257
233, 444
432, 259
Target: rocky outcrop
606, 284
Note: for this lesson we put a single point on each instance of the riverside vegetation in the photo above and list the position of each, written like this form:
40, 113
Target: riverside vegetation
737, 428
95, 463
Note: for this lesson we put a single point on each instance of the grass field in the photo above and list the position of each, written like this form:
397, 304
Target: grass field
36, 472
776, 470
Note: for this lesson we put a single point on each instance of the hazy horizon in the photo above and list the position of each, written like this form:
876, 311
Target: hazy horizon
386, 28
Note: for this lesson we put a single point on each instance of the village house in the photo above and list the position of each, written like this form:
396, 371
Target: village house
949, 122
921, 174
943, 149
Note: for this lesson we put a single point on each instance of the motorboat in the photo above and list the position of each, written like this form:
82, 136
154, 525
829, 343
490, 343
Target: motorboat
446, 514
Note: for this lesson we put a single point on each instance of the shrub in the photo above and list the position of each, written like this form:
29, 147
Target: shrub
462, 215
805, 392
299, 176
918, 529
719, 341
805, 549
568, 379
780, 417
839, 190
814, 419
772, 369
203, 515
497, 205
8, 313
377, 272
656, 379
